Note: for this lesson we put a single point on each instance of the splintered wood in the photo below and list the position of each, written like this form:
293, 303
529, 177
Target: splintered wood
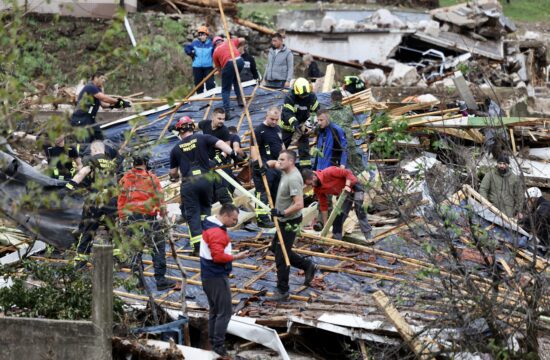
362, 102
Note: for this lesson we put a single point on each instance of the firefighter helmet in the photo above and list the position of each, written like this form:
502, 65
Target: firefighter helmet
185, 123
302, 87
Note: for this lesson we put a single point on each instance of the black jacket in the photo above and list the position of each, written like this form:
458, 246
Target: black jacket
541, 221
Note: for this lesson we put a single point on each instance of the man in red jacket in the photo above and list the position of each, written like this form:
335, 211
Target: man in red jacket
140, 201
331, 181
224, 63
216, 265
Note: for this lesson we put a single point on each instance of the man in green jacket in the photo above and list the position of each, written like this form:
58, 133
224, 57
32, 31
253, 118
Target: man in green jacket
503, 188
342, 115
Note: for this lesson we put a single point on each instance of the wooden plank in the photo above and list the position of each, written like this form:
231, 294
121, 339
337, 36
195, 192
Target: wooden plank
401, 325
335, 211
329, 79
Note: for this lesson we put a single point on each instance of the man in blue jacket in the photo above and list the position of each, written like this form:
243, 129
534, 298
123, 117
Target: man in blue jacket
331, 143
201, 50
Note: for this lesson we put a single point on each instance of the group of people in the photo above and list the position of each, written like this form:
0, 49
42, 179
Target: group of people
134, 199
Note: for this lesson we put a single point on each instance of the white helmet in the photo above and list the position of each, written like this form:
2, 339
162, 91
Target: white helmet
534, 192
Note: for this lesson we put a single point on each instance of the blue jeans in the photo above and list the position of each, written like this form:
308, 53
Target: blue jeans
230, 78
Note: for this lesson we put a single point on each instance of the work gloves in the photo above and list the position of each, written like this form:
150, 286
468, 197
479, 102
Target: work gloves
277, 213
257, 169
236, 157
71, 185
121, 104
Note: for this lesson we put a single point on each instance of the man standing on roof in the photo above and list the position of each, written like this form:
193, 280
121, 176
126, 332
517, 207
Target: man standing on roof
224, 63
249, 71
217, 128
190, 159
216, 265
280, 64
90, 98
98, 177
270, 145
297, 109
503, 188
140, 202
331, 181
288, 208
342, 115
540, 212
331, 143
201, 50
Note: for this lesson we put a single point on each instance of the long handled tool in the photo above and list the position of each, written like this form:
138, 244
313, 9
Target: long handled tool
255, 143
335, 211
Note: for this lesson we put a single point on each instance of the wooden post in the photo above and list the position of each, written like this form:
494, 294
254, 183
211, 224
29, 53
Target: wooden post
335, 212
253, 135
401, 325
102, 296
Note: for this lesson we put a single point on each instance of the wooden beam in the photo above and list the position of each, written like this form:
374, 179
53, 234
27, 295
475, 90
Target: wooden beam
401, 325
329, 79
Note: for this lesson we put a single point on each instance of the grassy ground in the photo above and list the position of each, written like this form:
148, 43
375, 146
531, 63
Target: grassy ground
520, 10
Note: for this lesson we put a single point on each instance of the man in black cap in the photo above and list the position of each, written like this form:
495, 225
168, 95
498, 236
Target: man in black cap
503, 188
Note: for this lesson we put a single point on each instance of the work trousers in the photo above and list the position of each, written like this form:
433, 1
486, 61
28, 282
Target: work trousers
92, 217
200, 73
301, 140
289, 230
229, 78
355, 200
196, 197
148, 230
220, 308
273, 176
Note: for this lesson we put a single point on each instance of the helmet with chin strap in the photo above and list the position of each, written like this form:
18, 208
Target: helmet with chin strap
302, 87
184, 124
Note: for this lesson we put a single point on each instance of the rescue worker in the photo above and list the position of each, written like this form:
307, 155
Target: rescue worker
140, 203
503, 188
270, 145
342, 115
63, 161
539, 209
288, 209
353, 84
298, 106
235, 140
331, 181
200, 50
224, 63
90, 98
216, 265
98, 177
189, 158
216, 127
331, 143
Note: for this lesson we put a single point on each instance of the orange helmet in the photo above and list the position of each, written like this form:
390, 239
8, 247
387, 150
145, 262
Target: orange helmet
185, 123
203, 29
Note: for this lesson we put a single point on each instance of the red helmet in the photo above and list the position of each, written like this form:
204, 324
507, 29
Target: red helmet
185, 123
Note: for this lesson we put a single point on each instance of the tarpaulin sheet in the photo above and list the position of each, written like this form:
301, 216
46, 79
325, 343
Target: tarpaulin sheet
56, 225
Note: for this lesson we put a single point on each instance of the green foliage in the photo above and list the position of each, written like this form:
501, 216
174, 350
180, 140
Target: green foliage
384, 141
62, 293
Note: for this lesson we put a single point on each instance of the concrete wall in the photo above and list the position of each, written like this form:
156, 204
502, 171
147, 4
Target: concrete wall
39, 339
78, 8
376, 47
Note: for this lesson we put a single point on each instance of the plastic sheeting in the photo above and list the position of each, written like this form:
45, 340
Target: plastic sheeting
56, 224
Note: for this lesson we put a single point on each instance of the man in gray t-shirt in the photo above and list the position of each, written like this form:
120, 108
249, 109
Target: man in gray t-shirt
288, 209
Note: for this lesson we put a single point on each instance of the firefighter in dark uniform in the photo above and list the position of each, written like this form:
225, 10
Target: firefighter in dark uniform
190, 159
270, 144
90, 98
216, 127
299, 103
98, 178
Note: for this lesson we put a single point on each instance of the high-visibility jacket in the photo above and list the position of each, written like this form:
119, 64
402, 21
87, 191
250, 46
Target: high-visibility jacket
141, 193
296, 110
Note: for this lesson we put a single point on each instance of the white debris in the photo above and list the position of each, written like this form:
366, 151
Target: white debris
403, 75
328, 24
344, 24
373, 77
309, 24
385, 19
